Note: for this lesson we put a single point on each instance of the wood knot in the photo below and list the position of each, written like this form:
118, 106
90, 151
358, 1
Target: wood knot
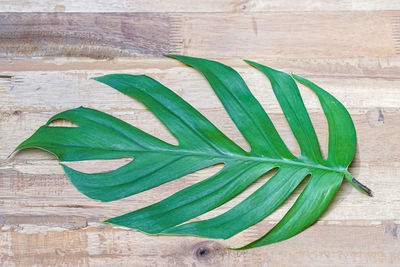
207, 250
202, 252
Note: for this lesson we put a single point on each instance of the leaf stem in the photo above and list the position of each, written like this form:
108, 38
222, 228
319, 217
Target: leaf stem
357, 184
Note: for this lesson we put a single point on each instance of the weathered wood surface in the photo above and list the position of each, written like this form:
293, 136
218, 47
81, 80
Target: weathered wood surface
193, 5
349, 48
256, 35
95, 245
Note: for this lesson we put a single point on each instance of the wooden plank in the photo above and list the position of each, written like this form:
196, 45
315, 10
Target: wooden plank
88, 35
321, 245
193, 6
363, 67
358, 84
290, 35
269, 34
40, 188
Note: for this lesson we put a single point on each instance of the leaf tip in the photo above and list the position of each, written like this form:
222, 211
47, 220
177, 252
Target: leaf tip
110, 221
239, 248
15, 151
298, 78
11, 155
172, 55
98, 78
20, 147
267, 70
65, 169
232, 248
249, 62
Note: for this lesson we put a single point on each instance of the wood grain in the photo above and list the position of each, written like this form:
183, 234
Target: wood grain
255, 35
193, 5
323, 245
40, 188
348, 47
87, 35
355, 82
34, 182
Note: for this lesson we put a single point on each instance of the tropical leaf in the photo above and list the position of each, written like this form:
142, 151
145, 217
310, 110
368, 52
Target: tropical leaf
201, 144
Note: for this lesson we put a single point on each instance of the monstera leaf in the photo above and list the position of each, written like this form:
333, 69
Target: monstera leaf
201, 144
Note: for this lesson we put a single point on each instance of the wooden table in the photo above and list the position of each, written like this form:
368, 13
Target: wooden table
349, 47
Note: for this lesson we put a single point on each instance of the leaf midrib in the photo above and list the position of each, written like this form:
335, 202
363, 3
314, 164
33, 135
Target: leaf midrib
233, 156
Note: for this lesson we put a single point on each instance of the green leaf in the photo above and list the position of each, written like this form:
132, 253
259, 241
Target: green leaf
201, 144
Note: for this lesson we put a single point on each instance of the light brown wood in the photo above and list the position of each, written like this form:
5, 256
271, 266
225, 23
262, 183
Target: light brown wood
40, 188
88, 35
36, 85
349, 48
255, 35
33, 181
95, 245
193, 5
